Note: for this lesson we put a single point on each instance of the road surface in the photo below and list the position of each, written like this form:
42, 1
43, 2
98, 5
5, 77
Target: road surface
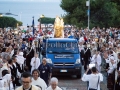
73, 83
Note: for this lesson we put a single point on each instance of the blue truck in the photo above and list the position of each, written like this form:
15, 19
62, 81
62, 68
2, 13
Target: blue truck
63, 56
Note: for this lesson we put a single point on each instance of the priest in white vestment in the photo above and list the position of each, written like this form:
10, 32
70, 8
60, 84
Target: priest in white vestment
53, 84
26, 80
96, 59
8, 82
36, 80
2, 84
20, 59
35, 62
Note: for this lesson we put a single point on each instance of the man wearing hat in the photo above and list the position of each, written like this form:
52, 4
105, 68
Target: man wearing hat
87, 55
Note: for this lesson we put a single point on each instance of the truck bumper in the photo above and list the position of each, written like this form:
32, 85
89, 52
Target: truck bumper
66, 71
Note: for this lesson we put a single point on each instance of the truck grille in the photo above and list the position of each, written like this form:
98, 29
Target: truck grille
63, 64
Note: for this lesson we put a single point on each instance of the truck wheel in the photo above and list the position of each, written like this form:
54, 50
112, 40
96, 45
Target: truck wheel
79, 76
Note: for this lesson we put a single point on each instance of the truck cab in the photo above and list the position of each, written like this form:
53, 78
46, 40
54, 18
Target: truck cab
63, 56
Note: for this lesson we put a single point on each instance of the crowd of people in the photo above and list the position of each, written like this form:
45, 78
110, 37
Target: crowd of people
19, 60
19, 55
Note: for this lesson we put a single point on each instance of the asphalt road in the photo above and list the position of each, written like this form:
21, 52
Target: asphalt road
73, 83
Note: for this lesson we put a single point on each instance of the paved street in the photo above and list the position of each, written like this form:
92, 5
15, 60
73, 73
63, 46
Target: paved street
73, 83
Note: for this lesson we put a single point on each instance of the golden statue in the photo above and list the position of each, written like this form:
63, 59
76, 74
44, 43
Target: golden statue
58, 28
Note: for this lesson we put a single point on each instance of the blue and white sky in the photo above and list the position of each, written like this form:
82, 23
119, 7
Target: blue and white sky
33, 0
26, 9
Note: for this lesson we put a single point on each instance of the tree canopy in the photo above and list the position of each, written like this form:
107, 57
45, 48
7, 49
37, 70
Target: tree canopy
47, 20
9, 22
103, 13
19, 23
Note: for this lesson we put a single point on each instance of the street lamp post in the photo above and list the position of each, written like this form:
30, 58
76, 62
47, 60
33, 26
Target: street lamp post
88, 12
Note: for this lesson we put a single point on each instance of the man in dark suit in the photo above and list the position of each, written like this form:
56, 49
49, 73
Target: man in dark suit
13, 73
29, 56
87, 55
16, 69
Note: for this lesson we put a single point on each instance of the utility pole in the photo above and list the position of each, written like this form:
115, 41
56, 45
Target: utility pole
88, 13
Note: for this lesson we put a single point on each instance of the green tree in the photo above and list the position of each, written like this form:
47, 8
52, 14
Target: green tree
103, 13
19, 23
47, 20
7, 22
75, 11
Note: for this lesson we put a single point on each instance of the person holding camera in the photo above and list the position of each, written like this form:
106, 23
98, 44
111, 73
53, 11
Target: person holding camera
94, 84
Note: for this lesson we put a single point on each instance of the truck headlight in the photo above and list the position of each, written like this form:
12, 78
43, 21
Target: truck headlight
49, 60
77, 61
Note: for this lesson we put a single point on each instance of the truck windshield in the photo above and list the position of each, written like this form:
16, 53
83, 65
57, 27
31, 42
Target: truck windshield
62, 47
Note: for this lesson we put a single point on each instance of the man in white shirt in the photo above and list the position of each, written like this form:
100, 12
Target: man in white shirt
93, 83
53, 84
23, 35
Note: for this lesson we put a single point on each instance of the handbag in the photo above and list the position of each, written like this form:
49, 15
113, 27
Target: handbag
97, 84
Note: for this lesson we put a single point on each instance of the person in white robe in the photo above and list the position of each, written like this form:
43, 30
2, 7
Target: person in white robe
20, 59
7, 81
26, 80
2, 84
93, 83
93, 47
1, 65
53, 84
36, 80
11, 53
112, 65
96, 59
5, 67
35, 62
